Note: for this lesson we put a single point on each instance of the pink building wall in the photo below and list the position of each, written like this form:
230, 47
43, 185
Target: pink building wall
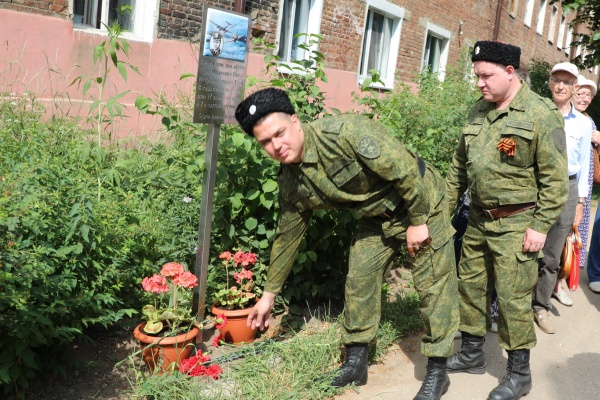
43, 55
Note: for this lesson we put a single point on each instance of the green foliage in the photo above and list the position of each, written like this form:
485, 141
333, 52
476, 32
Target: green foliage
587, 16
429, 122
67, 258
539, 72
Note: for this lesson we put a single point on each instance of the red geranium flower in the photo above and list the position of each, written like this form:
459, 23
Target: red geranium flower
223, 322
216, 340
155, 284
186, 280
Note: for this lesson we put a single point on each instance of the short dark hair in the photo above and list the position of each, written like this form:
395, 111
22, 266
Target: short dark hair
260, 104
496, 52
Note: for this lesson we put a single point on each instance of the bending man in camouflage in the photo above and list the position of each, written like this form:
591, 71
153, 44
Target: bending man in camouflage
351, 162
511, 156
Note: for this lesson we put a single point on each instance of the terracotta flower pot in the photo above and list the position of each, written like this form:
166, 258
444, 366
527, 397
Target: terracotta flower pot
236, 331
165, 352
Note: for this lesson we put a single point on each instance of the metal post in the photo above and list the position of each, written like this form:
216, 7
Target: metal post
204, 226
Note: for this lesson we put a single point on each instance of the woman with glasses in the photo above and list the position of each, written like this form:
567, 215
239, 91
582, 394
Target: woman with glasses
582, 99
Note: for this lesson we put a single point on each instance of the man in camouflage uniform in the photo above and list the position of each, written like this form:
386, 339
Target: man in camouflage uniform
511, 156
352, 162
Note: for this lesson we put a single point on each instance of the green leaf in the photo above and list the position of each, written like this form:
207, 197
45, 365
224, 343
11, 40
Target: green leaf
251, 223
186, 75
269, 186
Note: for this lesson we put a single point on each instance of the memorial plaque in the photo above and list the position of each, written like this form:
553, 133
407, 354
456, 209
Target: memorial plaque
222, 66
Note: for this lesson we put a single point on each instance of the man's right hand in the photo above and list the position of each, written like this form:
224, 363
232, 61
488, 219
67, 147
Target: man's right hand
261, 313
533, 241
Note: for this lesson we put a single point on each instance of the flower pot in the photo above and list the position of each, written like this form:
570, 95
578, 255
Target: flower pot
236, 331
165, 352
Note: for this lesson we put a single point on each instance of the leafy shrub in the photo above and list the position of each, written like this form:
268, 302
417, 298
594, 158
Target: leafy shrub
539, 72
429, 123
68, 255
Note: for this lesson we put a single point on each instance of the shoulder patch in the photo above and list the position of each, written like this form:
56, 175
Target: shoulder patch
560, 140
368, 147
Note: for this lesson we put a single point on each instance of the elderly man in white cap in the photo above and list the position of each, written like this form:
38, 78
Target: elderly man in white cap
578, 129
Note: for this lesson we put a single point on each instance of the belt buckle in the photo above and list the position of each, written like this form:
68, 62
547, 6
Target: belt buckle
488, 213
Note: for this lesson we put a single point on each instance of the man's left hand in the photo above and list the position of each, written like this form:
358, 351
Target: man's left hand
415, 235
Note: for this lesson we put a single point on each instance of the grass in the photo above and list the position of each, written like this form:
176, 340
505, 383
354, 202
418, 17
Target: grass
300, 367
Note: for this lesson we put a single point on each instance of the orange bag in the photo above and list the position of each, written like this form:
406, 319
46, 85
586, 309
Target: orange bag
569, 268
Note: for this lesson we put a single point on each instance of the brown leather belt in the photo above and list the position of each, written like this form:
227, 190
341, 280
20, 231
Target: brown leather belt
507, 210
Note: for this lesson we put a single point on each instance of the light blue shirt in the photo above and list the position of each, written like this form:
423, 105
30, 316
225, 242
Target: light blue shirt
578, 129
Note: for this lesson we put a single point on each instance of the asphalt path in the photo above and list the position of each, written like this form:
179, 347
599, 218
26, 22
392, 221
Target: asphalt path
564, 366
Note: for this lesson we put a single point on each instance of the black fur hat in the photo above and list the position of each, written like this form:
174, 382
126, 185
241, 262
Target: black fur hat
497, 52
259, 105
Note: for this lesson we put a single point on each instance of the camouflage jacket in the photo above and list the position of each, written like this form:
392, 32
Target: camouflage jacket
349, 162
536, 172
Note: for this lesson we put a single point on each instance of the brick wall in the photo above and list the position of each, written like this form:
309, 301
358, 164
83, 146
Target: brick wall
44, 7
342, 26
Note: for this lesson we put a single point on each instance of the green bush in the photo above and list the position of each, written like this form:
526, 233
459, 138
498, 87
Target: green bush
429, 122
68, 257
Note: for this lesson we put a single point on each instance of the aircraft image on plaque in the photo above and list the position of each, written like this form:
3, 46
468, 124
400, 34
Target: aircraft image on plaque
226, 35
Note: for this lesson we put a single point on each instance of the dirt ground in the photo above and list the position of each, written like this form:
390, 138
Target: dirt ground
97, 375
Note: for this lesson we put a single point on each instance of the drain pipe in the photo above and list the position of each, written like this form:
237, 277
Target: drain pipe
497, 21
240, 6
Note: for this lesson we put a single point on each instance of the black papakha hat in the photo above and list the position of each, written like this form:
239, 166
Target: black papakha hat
259, 105
497, 52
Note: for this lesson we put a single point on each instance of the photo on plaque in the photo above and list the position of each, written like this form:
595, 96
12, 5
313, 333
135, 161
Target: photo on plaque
226, 35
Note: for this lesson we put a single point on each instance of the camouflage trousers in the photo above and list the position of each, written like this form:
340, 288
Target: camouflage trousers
434, 274
492, 257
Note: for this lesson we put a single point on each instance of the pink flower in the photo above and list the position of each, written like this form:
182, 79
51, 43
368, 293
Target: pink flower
223, 319
226, 255
172, 269
155, 284
238, 257
244, 274
214, 371
194, 366
186, 280
217, 340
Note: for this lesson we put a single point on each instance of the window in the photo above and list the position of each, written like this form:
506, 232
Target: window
552, 27
568, 40
513, 6
297, 16
528, 12
381, 41
137, 18
541, 17
435, 55
561, 32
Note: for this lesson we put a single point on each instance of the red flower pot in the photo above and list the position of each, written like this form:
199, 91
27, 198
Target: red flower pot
236, 331
165, 352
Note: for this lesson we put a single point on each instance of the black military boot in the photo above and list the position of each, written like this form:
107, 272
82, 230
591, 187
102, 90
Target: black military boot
436, 381
355, 366
517, 381
471, 357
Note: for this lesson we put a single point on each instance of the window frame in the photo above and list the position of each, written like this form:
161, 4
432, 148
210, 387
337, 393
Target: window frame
513, 8
568, 40
439, 33
541, 17
145, 20
528, 17
552, 25
396, 15
313, 22
561, 32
